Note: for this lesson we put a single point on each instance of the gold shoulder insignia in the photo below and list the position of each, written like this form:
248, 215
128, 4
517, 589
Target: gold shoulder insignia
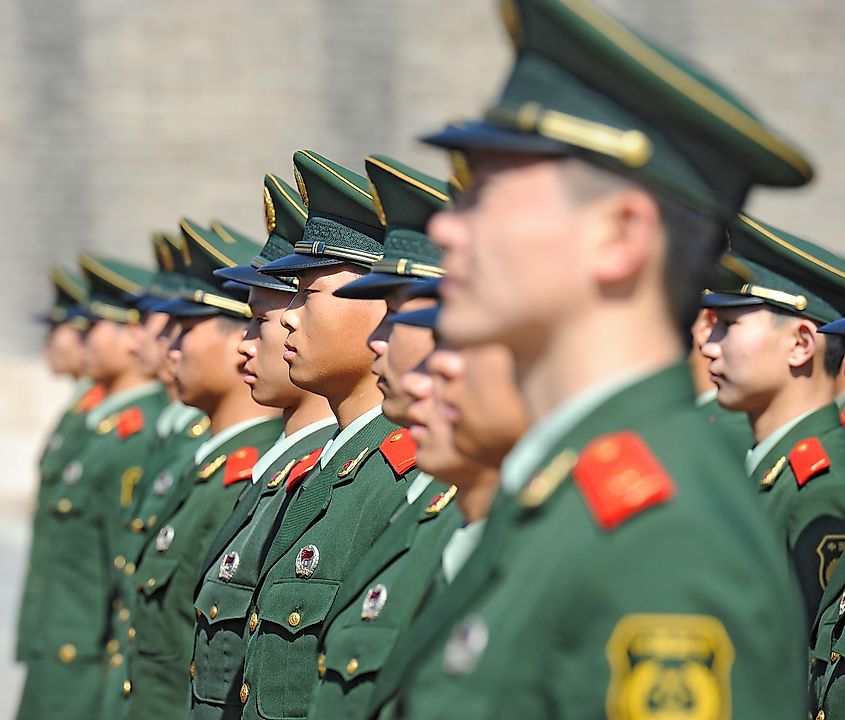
106, 425
350, 465
212, 467
543, 484
280, 476
769, 478
438, 502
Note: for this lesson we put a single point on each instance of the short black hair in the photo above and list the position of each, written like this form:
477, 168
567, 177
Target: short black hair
834, 351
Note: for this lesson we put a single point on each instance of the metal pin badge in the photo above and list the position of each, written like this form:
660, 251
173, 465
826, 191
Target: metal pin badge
306, 561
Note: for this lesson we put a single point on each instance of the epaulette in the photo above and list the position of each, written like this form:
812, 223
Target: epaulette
239, 465
90, 399
302, 468
808, 459
620, 477
400, 451
131, 421
210, 468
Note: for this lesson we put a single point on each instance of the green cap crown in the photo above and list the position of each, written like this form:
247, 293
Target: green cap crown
70, 292
584, 84
405, 200
112, 283
285, 214
342, 222
170, 258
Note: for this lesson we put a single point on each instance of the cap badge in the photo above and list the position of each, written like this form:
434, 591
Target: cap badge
306, 561
374, 602
269, 211
228, 566
165, 538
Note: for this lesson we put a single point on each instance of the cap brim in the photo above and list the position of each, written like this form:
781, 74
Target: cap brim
249, 276
293, 263
837, 327
375, 286
721, 299
480, 135
425, 318
185, 308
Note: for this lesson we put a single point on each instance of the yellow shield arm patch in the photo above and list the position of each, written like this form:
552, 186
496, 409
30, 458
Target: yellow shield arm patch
669, 666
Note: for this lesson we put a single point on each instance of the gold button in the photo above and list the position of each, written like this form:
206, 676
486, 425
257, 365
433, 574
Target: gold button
119, 562
151, 582
112, 646
151, 520
64, 505
131, 633
137, 525
193, 671
127, 688
123, 615
244, 693
352, 666
116, 660
294, 619
129, 570
198, 612
253, 622
834, 656
321, 664
213, 612
820, 715
67, 653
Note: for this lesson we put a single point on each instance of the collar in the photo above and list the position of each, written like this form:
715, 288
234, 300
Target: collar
840, 400
417, 487
459, 547
706, 397
284, 443
339, 440
216, 441
175, 418
119, 400
80, 387
534, 446
754, 455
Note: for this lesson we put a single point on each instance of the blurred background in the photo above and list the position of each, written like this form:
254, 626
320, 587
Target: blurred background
119, 116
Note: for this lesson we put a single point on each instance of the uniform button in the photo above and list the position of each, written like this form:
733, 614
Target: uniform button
244, 693
129, 570
213, 612
67, 653
834, 656
131, 633
820, 715
352, 666
151, 582
116, 660
127, 688
137, 525
112, 646
253, 622
123, 615
193, 671
321, 664
294, 619
64, 505
119, 562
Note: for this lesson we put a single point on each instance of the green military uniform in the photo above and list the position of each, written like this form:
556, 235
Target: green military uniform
341, 507
64, 440
386, 587
733, 426
827, 645
799, 469
625, 570
64, 675
230, 571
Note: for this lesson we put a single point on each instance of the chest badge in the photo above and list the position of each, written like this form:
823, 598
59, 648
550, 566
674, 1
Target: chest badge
55, 442
350, 465
306, 561
842, 605
228, 566
72, 472
465, 646
163, 483
165, 538
374, 602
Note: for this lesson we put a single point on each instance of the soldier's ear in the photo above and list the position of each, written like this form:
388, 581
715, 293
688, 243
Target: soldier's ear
805, 345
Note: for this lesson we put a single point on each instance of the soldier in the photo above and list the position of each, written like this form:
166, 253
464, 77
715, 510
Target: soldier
624, 570
230, 570
64, 678
340, 507
768, 360
208, 372
64, 352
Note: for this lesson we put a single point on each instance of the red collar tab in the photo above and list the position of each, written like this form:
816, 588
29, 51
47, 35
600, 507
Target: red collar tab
131, 421
808, 459
400, 451
239, 465
302, 468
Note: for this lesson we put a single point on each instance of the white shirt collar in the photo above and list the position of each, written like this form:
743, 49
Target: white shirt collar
215, 441
417, 488
120, 400
459, 547
339, 440
755, 455
706, 397
285, 442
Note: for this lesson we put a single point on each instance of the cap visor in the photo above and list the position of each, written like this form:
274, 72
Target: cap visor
293, 263
375, 286
837, 327
479, 135
249, 276
185, 308
718, 300
425, 318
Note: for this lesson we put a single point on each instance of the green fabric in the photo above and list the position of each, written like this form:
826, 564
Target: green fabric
110, 282
69, 291
74, 607
403, 559
733, 427
341, 517
525, 629
164, 616
220, 643
827, 644
809, 520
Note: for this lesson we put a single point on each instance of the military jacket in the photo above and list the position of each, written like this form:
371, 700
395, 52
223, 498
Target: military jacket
733, 426
229, 575
631, 576
827, 645
65, 440
332, 517
73, 611
377, 599
801, 483
159, 657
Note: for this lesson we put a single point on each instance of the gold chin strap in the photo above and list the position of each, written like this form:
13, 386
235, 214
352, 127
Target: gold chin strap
321, 249
404, 266
218, 301
799, 302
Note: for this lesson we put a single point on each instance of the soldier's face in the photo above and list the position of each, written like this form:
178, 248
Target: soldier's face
398, 350
264, 370
326, 348
109, 350
153, 346
64, 350
205, 361
752, 353
514, 254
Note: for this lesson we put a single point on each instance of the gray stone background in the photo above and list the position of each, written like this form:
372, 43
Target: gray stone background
119, 116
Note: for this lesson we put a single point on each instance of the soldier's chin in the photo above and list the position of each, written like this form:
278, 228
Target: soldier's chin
465, 325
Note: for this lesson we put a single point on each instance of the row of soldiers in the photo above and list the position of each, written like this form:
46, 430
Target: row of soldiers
469, 449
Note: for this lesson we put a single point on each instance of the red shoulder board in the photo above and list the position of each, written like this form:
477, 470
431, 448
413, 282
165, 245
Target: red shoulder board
842, 417
620, 477
808, 459
239, 465
302, 468
130, 422
92, 397
400, 451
